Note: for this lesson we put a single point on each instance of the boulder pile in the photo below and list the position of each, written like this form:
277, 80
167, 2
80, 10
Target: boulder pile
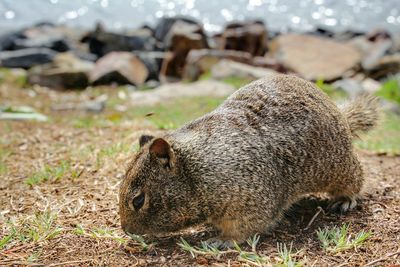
178, 48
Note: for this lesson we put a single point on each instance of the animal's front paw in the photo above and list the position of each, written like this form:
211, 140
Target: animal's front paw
342, 204
220, 244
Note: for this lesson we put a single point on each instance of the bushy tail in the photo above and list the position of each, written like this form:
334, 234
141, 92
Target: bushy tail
362, 114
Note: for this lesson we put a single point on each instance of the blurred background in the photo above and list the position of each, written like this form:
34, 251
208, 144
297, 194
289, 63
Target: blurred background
301, 15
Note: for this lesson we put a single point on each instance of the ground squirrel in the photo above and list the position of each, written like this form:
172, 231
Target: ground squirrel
240, 166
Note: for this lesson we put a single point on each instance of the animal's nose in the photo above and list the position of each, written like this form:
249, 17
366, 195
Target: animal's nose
124, 226
127, 228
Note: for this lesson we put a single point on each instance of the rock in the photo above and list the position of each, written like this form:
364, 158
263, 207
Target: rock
182, 38
153, 61
177, 90
96, 105
361, 43
21, 113
370, 85
377, 35
351, 86
387, 65
151, 84
347, 35
324, 31
374, 53
84, 55
164, 26
66, 72
228, 68
374, 46
390, 106
57, 38
119, 67
102, 42
26, 58
185, 36
7, 41
58, 44
201, 60
250, 37
354, 86
269, 63
314, 57
58, 78
396, 44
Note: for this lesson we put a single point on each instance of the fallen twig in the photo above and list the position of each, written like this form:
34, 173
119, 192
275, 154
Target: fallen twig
383, 258
26, 263
67, 262
17, 248
314, 217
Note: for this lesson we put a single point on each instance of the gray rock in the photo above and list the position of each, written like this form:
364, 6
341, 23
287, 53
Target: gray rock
58, 44
153, 61
102, 42
354, 87
26, 58
370, 85
351, 86
164, 26
7, 40
202, 60
228, 68
374, 54
390, 106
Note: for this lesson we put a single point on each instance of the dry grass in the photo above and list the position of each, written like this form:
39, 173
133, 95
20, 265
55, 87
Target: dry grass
59, 193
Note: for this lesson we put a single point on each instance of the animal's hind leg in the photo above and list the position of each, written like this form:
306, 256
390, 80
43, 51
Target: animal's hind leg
346, 189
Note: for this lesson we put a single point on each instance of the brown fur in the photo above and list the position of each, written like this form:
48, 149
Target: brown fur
240, 166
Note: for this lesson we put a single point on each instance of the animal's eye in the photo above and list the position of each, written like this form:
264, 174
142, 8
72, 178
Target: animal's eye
138, 201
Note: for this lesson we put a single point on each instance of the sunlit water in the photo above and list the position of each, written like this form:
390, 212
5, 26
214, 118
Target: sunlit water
280, 15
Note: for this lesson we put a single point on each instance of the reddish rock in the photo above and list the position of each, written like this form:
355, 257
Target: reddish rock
250, 37
182, 38
119, 67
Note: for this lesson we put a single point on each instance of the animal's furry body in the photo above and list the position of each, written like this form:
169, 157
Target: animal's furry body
240, 166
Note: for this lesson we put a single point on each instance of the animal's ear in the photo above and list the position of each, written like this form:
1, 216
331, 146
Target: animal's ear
162, 150
144, 139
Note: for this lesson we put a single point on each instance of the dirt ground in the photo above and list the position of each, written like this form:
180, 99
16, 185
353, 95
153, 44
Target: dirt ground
75, 171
